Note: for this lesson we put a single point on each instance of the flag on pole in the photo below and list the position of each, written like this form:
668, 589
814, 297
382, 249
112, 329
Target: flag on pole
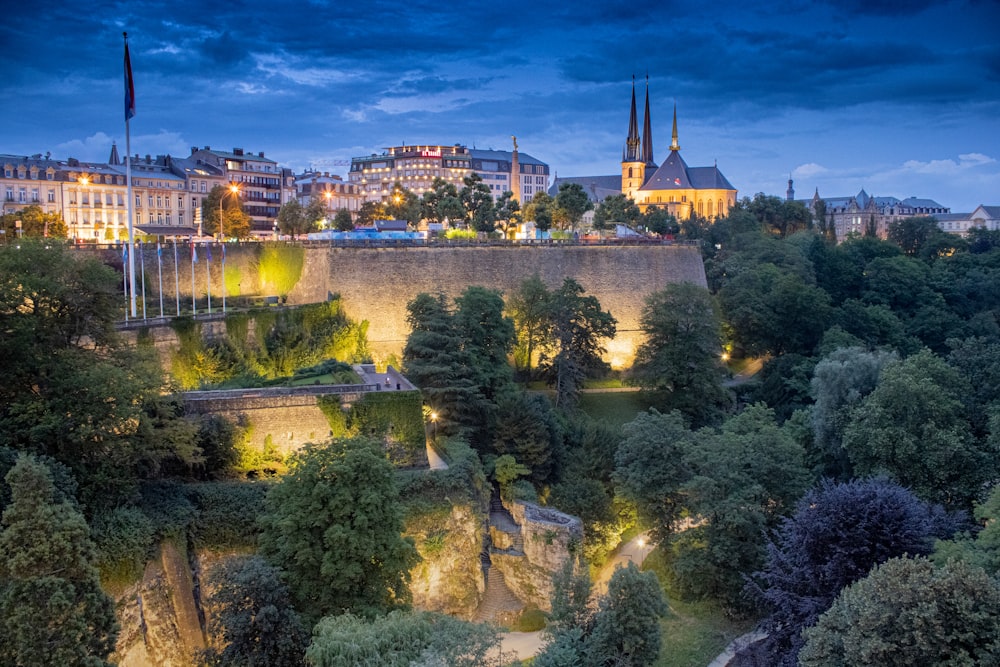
194, 252
159, 251
129, 84
208, 251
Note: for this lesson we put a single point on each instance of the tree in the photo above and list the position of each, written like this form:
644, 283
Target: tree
35, 223
508, 213
254, 617
627, 624
441, 203
680, 354
573, 201
913, 427
342, 221
651, 469
840, 381
907, 612
333, 525
540, 209
235, 221
506, 471
616, 209
578, 327
529, 308
369, 212
839, 531
527, 429
912, 234
403, 204
982, 550
478, 202
662, 222
400, 639
52, 608
487, 335
294, 219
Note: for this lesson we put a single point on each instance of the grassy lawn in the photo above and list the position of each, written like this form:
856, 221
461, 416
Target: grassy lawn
614, 407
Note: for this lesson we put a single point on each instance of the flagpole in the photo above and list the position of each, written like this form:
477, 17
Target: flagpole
129, 112
142, 258
194, 258
208, 275
223, 277
159, 266
177, 280
125, 281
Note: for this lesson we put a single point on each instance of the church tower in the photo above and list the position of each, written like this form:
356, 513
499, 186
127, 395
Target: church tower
790, 192
633, 164
647, 134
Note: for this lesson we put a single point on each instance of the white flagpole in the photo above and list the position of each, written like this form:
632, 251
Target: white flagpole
177, 280
159, 266
129, 110
125, 281
142, 258
194, 255
208, 276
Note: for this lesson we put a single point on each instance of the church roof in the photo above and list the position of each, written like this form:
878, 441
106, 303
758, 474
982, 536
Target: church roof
596, 187
672, 175
708, 178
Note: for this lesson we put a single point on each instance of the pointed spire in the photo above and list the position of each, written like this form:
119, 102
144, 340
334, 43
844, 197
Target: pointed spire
632, 141
114, 159
647, 132
790, 193
674, 146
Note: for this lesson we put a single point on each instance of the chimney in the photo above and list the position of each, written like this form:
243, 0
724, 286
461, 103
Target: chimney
208, 148
194, 149
260, 154
237, 151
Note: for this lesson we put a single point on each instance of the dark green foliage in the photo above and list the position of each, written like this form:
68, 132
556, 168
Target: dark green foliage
784, 383
124, 538
528, 306
333, 525
400, 639
487, 335
907, 612
837, 534
226, 513
216, 438
342, 221
579, 327
477, 199
573, 202
463, 479
983, 548
627, 624
52, 608
616, 209
62, 477
395, 417
254, 617
527, 428
680, 354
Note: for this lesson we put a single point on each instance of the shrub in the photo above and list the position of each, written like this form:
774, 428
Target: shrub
227, 513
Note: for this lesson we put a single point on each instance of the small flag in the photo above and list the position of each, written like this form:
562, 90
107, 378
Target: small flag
129, 84
124, 252
208, 251
677, 181
159, 251
194, 252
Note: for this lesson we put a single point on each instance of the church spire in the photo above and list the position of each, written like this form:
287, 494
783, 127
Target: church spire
674, 146
114, 159
647, 133
632, 141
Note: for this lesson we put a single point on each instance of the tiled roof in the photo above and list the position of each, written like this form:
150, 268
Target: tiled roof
596, 187
504, 156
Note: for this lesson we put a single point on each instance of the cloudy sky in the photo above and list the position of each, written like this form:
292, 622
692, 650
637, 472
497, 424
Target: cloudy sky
897, 97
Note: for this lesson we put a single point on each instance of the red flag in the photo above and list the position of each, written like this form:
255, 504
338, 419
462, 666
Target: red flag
129, 85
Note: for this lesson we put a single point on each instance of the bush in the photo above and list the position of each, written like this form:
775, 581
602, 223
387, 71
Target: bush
124, 537
227, 513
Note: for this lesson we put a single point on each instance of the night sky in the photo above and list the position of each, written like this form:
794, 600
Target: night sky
898, 98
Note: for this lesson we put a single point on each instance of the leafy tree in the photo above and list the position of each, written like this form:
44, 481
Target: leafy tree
627, 624
783, 384
508, 213
573, 201
907, 612
651, 468
578, 327
662, 222
840, 381
400, 639
983, 549
478, 202
506, 471
747, 475
333, 525
235, 221
371, 211
838, 533
529, 307
912, 234
913, 427
254, 617
527, 429
342, 221
616, 209
35, 223
442, 203
680, 354
294, 219
487, 335
403, 204
52, 608
540, 209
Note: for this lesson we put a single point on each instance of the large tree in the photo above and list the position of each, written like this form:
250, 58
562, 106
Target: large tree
334, 524
627, 624
528, 306
573, 201
342, 221
540, 209
680, 355
478, 202
579, 327
508, 213
235, 221
294, 219
908, 612
488, 336
839, 531
403, 204
35, 223
253, 616
52, 608
618, 209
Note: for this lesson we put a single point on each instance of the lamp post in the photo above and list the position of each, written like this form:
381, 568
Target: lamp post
234, 189
434, 426
328, 196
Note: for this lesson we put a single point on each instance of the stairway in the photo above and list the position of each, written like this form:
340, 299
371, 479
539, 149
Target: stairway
499, 605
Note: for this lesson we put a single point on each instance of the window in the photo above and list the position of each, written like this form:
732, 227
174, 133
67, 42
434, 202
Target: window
121, 199
10, 193
180, 201
52, 196
204, 186
159, 201
150, 198
138, 201
109, 199
180, 218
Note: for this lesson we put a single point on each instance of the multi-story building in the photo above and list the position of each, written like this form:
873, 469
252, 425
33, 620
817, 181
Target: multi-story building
264, 186
855, 214
413, 167
27, 181
160, 203
330, 189
95, 201
511, 171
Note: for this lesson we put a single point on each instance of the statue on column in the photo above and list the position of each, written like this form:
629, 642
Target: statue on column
515, 141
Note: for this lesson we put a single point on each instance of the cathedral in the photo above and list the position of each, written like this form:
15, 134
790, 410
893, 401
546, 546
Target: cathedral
681, 190
673, 186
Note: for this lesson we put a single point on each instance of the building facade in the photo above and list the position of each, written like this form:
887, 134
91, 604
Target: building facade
856, 214
331, 189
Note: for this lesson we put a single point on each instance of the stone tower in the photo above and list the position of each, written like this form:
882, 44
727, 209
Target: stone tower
633, 164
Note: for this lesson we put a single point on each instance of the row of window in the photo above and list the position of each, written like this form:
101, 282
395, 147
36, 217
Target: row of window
22, 195
22, 172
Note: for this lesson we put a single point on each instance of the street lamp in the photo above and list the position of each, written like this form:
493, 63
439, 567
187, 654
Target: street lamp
434, 425
234, 189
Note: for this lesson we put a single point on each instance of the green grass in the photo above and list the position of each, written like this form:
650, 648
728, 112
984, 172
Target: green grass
614, 407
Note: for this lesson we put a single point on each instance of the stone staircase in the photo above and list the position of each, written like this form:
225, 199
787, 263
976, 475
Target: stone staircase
499, 604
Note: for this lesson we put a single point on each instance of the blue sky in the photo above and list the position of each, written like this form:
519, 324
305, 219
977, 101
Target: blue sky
898, 98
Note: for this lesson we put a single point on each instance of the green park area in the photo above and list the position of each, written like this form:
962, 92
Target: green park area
832, 489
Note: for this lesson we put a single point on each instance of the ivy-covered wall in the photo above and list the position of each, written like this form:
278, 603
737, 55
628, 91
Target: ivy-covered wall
394, 416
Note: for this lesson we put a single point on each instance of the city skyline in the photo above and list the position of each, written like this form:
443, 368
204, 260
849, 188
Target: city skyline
900, 99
